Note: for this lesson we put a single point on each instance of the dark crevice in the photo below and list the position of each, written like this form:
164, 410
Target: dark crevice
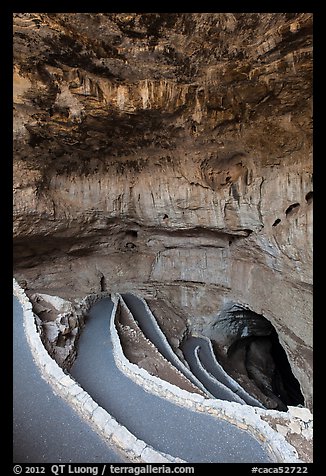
130, 246
284, 383
235, 193
291, 209
276, 222
309, 197
253, 355
103, 284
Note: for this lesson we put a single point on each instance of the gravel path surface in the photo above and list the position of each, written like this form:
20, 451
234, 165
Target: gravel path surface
180, 432
45, 428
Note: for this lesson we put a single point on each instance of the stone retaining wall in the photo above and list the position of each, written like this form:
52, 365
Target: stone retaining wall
214, 381
174, 359
232, 384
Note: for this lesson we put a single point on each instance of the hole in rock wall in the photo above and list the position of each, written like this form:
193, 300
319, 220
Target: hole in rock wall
284, 383
103, 284
276, 222
248, 347
235, 193
291, 209
309, 197
130, 246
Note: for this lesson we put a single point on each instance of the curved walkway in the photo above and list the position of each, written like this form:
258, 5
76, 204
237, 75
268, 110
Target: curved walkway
206, 372
45, 428
192, 436
154, 333
204, 365
207, 358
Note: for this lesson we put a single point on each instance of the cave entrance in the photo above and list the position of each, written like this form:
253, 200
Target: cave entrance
248, 347
284, 383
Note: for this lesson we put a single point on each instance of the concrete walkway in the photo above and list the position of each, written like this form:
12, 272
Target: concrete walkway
45, 428
212, 366
215, 386
154, 333
192, 436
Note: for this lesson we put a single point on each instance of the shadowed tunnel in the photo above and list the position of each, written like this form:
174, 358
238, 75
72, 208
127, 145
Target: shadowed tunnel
248, 347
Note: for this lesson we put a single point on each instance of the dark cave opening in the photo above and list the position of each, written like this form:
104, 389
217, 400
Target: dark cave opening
276, 222
254, 356
291, 209
103, 284
284, 383
309, 197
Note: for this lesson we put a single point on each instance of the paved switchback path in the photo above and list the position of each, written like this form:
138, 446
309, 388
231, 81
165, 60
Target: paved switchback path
209, 363
192, 436
45, 428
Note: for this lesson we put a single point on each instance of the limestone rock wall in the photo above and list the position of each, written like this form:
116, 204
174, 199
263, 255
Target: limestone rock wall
169, 153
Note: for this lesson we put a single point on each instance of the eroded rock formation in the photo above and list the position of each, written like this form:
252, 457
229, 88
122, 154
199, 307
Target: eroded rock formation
169, 153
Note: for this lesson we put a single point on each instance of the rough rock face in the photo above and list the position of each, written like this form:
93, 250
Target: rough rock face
169, 153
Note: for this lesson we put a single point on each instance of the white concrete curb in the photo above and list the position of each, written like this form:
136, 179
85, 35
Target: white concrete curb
174, 359
149, 343
216, 382
233, 383
243, 416
79, 399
